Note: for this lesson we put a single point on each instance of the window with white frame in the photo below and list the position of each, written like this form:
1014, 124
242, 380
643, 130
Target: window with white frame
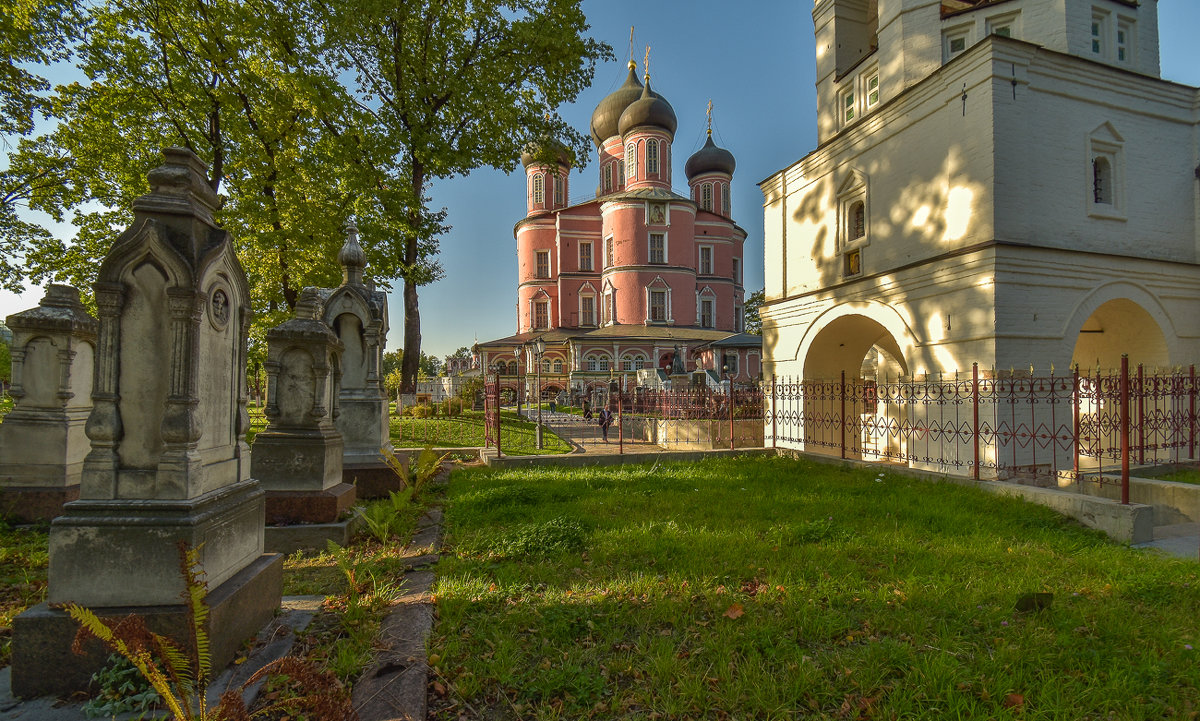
539, 189
852, 223
633, 362
545, 365
1099, 37
706, 192
954, 42
651, 156
559, 190
737, 270
846, 104
725, 203
587, 310
706, 312
606, 309
543, 264
706, 260
1124, 40
871, 88
558, 365
620, 174
631, 160
1004, 25
658, 248
608, 177
1105, 173
608, 252
585, 255
541, 314
658, 305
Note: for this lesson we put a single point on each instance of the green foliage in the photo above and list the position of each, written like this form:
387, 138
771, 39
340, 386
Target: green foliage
752, 322
367, 594
385, 519
557, 535
24, 560
121, 688
426, 465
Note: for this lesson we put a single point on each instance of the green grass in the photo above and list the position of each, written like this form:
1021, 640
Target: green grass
6, 405
23, 562
1184, 475
778, 589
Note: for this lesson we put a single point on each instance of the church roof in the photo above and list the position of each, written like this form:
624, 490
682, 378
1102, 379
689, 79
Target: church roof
607, 114
651, 109
709, 159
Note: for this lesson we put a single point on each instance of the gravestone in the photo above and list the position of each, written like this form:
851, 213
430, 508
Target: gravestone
298, 457
357, 313
42, 440
168, 460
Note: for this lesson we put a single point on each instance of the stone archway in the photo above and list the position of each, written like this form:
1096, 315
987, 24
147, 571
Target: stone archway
1119, 326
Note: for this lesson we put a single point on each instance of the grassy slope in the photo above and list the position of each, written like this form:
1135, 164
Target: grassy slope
765, 588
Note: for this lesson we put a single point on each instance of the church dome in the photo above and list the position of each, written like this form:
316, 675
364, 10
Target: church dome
650, 109
608, 113
534, 150
709, 159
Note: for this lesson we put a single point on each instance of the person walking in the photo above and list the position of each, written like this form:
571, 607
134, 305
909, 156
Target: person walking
605, 420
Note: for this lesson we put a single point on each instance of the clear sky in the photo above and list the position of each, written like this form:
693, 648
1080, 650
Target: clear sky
754, 60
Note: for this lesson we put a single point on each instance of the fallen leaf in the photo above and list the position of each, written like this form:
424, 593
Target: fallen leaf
735, 611
439, 689
1014, 700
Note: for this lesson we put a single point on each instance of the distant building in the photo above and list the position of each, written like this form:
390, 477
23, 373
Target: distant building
1007, 182
461, 366
619, 282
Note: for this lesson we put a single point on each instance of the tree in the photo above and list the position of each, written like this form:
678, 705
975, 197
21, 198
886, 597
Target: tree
753, 323
5, 363
454, 85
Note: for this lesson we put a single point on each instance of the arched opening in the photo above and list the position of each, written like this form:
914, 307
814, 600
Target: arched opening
1119, 326
863, 352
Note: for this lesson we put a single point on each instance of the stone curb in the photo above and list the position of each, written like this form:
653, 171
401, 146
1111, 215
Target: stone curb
394, 687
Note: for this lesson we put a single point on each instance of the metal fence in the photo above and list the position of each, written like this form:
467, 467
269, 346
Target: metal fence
995, 425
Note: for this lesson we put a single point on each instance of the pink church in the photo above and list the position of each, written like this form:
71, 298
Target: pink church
617, 283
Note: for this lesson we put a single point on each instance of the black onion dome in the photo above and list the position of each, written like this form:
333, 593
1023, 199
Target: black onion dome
533, 153
608, 113
650, 109
709, 159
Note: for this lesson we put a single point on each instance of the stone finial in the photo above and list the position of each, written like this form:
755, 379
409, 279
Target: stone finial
352, 257
309, 305
180, 187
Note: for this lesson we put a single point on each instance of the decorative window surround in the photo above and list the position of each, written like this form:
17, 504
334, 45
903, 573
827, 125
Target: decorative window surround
1105, 174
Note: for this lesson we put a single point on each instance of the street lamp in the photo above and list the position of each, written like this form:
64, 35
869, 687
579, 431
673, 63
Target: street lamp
539, 347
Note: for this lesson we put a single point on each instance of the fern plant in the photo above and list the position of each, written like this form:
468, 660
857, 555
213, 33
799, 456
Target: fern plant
181, 678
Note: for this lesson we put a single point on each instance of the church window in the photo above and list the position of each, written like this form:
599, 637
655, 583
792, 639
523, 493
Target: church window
543, 264
608, 252
706, 190
620, 172
1102, 180
738, 319
558, 365
725, 202
585, 255
587, 310
512, 368
631, 160
954, 42
1099, 33
558, 190
608, 177
858, 220
852, 263
541, 314
545, 365
706, 313
651, 156
658, 305
737, 270
1124, 41
658, 248
706, 260
847, 105
872, 90
539, 189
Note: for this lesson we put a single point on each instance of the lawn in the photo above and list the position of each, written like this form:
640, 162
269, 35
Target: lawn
23, 562
1183, 475
770, 588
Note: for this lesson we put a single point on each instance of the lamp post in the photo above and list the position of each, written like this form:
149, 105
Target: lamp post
539, 347
519, 352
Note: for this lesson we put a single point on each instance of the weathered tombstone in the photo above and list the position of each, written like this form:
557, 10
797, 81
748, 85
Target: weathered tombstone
298, 457
169, 461
357, 313
42, 440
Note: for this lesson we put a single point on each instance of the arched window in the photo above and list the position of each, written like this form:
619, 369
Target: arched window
545, 365
633, 362
725, 199
631, 160
596, 362
558, 365
608, 177
651, 156
858, 220
539, 189
706, 196
558, 190
512, 368
620, 172
1102, 181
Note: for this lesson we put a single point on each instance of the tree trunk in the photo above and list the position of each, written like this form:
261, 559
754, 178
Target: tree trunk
411, 362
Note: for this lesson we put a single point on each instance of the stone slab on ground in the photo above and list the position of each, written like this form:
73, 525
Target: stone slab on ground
1181, 540
324, 506
395, 686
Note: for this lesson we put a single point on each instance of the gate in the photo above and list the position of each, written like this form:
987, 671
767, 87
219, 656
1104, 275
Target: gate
491, 412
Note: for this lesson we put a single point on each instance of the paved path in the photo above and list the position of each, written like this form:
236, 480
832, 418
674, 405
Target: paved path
1181, 540
584, 434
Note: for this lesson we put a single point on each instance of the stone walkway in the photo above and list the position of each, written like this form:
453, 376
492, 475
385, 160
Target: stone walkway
584, 434
1181, 540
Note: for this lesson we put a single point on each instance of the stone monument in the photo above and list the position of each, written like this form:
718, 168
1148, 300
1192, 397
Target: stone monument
168, 459
42, 440
357, 313
298, 458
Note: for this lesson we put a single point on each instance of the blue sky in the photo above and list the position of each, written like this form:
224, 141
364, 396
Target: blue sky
753, 60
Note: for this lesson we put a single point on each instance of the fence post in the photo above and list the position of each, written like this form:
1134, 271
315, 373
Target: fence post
1192, 412
620, 421
1125, 428
843, 423
775, 415
1141, 406
731, 444
975, 415
1075, 425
